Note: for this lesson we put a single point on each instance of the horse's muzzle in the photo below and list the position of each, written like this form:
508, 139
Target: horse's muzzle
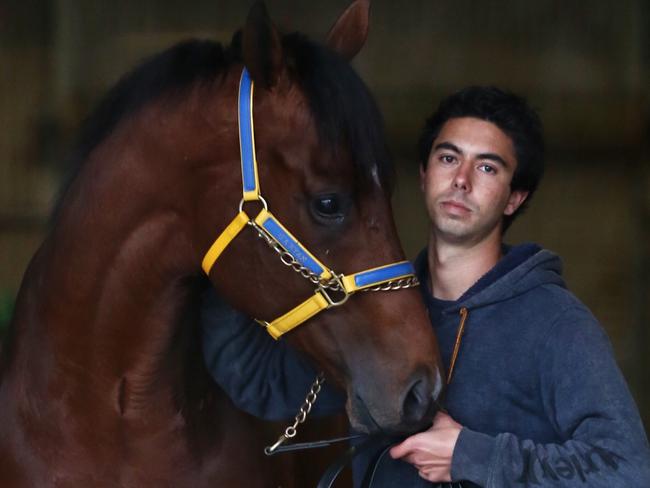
421, 401
409, 412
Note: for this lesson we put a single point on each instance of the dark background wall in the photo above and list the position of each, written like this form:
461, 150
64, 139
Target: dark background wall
584, 65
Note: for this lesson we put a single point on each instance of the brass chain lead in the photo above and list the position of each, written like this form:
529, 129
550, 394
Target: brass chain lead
291, 431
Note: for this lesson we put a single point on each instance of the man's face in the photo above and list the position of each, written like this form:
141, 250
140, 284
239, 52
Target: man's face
466, 184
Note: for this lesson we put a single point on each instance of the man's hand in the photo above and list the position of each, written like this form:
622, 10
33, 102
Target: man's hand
431, 451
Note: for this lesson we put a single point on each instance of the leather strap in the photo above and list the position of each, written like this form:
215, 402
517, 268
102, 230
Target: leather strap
300, 446
250, 178
377, 276
289, 243
226, 237
297, 315
375, 441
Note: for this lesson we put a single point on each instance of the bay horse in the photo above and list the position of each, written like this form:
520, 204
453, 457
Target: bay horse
102, 380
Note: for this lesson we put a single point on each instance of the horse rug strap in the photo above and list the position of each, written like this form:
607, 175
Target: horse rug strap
329, 284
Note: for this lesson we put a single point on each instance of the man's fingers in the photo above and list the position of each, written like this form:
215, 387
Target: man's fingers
411, 444
431, 451
435, 474
429, 475
407, 446
401, 450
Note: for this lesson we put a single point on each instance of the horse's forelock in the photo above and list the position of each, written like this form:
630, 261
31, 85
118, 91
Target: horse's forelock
344, 111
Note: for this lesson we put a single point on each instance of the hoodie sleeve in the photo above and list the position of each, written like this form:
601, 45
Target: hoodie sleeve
263, 377
587, 400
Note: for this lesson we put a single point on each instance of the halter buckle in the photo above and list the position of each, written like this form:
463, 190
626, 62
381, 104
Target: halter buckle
326, 292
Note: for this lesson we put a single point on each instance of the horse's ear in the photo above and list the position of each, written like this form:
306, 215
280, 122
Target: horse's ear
262, 47
348, 34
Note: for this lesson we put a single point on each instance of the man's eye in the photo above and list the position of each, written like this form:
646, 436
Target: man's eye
447, 159
486, 168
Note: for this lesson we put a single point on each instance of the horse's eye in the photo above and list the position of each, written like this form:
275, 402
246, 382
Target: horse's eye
328, 205
328, 208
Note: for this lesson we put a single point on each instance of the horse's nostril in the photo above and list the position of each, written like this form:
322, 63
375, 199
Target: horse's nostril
417, 402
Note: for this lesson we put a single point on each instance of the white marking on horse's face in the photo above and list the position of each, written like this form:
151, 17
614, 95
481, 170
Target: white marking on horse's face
375, 175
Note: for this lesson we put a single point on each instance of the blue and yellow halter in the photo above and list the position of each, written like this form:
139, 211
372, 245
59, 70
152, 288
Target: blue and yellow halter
389, 277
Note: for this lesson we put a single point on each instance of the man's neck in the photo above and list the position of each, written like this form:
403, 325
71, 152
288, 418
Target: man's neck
454, 268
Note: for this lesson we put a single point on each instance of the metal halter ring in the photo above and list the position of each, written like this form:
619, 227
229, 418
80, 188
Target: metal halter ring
260, 198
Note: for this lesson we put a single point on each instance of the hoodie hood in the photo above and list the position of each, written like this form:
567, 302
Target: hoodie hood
522, 268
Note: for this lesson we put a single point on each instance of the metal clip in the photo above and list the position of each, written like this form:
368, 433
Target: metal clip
270, 450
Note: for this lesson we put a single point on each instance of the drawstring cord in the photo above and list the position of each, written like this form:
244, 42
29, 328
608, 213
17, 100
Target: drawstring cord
459, 337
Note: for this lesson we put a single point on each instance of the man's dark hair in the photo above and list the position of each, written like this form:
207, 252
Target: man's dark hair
508, 112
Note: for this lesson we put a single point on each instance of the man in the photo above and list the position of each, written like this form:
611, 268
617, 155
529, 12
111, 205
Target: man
535, 397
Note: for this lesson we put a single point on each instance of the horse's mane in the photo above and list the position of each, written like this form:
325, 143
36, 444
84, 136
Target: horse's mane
167, 73
344, 111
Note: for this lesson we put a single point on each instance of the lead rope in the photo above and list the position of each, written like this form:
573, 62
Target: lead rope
333, 471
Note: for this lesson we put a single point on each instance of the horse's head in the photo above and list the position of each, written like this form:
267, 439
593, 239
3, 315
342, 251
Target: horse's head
325, 173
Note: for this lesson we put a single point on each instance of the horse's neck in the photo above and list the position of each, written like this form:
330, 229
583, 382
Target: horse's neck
105, 294
104, 362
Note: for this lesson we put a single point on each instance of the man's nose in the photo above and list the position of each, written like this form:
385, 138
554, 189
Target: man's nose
461, 178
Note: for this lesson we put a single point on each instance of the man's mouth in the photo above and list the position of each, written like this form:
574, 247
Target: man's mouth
455, 207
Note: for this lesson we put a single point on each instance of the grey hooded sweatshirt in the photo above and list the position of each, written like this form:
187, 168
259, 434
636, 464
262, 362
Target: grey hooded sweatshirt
536, 387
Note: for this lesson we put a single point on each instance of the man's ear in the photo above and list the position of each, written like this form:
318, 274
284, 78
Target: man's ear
517, 197
262, 47
348, 34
